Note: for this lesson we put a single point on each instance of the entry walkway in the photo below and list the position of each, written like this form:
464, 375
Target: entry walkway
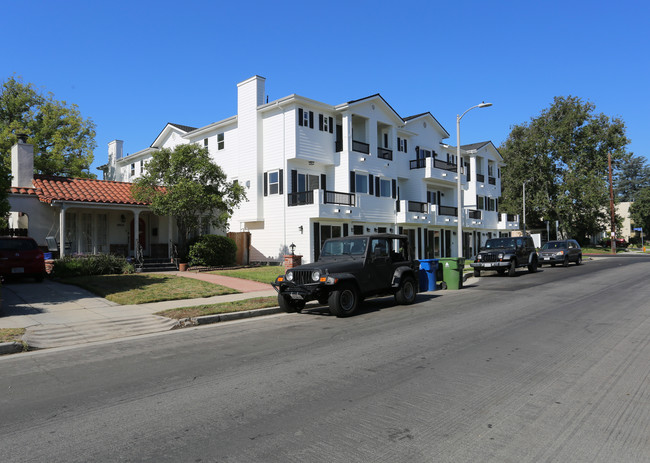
55, 314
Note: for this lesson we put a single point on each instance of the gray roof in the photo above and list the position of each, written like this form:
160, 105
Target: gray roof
184, 128
475, 146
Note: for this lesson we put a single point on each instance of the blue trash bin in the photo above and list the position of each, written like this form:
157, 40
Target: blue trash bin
428, 270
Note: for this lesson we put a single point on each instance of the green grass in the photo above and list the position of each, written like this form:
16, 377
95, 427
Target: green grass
265, 274
11, 334
141, 289
590, 250
224, 307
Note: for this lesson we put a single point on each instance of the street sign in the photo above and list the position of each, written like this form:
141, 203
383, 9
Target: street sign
638, 229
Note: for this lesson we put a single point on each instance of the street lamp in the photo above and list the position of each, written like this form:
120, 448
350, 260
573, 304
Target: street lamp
458, 188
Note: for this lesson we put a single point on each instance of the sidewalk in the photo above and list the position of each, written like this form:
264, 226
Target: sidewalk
55, 314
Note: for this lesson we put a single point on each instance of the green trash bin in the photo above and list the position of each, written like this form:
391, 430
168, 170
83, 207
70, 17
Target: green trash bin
452, 271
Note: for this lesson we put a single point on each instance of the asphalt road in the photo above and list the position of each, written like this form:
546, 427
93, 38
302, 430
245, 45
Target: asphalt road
547, 367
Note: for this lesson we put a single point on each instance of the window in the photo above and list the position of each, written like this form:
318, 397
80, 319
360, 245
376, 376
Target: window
480, 202
305, 118
361, 182
307, 182
274, 182
141, 166
401, 145
132, 169
325, 123
205, 143
384, 188
357, 229
421, 153
221, 144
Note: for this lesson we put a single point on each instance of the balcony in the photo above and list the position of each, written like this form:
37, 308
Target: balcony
384, 153
445, 165
507, 221
303, 198
417, 206
300, 199
447, 210
360, 147
336, 197
474, 214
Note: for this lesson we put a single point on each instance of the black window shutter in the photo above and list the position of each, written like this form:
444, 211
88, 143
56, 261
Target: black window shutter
311, 119
316, 241
294, 181
429, 197
280, 180
300, 116
323, 182
345, 229
399, 144
401, 230
405, 148
352, 179
438, 202
371, 184
394, 183
320, 122
377, 184
266, 184
331, 125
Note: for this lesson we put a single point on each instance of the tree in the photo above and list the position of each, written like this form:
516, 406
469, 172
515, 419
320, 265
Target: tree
640, 211
63, 140
562, 157
184, 183
632, 176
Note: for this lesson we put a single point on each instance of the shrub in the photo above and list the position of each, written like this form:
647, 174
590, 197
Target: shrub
101, 264
213, 251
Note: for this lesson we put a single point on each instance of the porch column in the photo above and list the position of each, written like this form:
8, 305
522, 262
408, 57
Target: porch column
170, 251
136, 231
62, 231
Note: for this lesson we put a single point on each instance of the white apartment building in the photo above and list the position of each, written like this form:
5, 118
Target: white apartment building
314, 171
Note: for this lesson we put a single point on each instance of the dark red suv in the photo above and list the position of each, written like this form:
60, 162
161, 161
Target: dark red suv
21, 257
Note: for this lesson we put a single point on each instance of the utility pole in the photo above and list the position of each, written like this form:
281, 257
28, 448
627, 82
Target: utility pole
611, 204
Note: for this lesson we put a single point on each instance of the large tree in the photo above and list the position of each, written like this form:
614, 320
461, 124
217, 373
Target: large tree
633, 175
640, 211
63, 140
186, 184
562, 157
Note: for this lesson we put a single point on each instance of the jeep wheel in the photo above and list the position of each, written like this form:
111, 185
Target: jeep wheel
532, 267
290, 305
344, 301
512, 270
407, 292
477, 272
501, 271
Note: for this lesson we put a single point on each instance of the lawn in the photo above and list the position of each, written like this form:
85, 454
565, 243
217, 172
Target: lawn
223, 307
11, 334
141, 289
264, 274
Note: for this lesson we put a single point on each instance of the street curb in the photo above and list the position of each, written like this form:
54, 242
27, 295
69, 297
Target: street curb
207, 319
10, 347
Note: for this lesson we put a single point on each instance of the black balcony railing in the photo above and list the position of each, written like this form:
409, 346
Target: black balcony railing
384, 153
447, 210
418, 163
335, 197
473, 214
480, 178
445, 165
492, 180
417, 206
301, 198
512, 217
360, 147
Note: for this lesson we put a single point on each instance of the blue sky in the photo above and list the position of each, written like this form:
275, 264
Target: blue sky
134, 66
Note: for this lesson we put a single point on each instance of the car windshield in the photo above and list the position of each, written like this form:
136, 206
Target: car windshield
8, 244
554, 245
351, 246
500, 243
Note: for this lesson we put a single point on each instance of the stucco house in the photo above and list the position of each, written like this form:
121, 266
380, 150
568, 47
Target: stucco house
88, 216
313, 170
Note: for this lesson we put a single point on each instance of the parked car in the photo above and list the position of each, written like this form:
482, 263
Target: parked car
350, 269
507, 253
21, 257
560, 252
620, 243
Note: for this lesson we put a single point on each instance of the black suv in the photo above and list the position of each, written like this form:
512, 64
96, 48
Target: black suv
503, 254
350, 269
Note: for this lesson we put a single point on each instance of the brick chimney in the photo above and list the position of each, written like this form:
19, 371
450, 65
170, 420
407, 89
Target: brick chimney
22, 164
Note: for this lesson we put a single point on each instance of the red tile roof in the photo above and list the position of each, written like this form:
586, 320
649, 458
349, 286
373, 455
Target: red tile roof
85, 190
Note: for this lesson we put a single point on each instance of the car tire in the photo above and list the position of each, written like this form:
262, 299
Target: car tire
512, 270
579, 261
501, 271
532, 267
343, 301
406, 293
477, 273
552, 264
290, 306
565, 262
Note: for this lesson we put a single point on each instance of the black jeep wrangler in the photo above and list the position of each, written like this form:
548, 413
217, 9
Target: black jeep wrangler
350, 269
503, 254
